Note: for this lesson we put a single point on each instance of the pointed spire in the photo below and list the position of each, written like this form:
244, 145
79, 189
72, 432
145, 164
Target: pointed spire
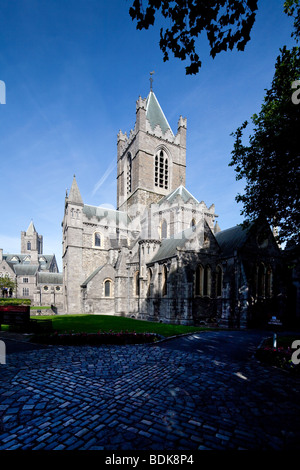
74, 194
31, 229
217, 228
155, 114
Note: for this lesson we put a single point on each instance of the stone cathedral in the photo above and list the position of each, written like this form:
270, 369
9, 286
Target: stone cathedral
161, 255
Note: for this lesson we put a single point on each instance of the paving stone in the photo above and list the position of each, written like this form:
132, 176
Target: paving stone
144, 397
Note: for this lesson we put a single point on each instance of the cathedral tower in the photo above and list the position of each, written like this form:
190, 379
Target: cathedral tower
31, 241
151, 160
73, 274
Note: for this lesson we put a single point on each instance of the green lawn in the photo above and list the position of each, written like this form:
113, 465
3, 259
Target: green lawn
93, 323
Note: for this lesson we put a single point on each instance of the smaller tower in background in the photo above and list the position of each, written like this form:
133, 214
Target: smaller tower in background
31, 241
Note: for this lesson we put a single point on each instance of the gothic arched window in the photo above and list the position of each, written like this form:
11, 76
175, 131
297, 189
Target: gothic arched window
149, 279
199, 280
137, 284
219, 281
164, 281
261, 280
129, 167
207, 281
107, 288
269, 281
161, 178
97, 239
163, 229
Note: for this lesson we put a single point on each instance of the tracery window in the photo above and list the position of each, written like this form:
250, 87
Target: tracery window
129, 173
161, 177
203, 281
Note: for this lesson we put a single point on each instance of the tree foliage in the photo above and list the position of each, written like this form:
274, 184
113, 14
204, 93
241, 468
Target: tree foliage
7, 283
227, 24
270, 163
292, 8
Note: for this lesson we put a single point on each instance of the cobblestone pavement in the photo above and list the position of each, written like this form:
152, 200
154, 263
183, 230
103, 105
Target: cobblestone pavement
146, 397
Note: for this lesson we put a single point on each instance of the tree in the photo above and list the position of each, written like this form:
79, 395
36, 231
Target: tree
7, 283
227, 24
291, 8
270, 163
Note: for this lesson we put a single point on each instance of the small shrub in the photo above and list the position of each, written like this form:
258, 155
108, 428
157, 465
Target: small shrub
13, 301
94, 339
280, 357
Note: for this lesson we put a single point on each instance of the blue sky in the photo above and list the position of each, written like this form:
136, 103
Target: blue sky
73, 71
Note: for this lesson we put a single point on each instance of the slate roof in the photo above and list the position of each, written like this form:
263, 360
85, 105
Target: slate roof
44, 260
85, 283
25, 269
155, 114
232, 239
110, 214
180, 191
50, 278
168, 247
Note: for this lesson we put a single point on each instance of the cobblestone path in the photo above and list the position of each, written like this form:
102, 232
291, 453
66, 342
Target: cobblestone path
144, 397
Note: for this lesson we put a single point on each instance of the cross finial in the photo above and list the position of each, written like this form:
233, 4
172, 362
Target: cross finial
151, 79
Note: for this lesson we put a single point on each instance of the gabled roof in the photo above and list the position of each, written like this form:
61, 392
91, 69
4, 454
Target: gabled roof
14, 260
25, 269
155, 114
180, 191
91, 276
232, 239
168, 247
